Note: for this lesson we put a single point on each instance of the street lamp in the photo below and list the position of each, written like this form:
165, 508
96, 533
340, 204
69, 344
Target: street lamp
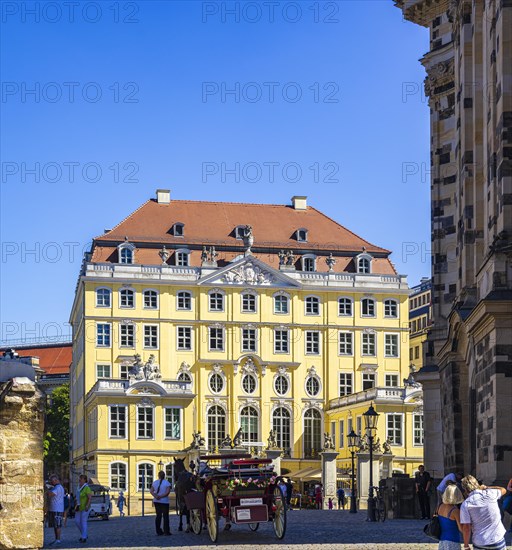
161, 465
370, 423
352, 447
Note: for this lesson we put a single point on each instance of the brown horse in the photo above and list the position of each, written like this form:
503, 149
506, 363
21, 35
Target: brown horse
184, 482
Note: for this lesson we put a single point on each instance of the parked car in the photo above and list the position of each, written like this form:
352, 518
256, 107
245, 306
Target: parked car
101, 505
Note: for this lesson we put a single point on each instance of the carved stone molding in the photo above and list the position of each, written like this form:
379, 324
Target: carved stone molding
248, 273
438, 75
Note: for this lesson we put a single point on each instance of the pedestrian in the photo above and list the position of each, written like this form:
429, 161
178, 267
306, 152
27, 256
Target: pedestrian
289, 491
506, 504
423, 482
120, 503
340, 493
160, 491
66, 509
318, 497
480, 516
450, 478
449, 519
329, 503
56, 506
83, 503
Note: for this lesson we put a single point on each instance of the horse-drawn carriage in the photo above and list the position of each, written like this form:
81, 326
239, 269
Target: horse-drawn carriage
244, 490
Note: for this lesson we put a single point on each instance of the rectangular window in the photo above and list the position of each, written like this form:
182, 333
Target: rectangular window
117, 421
345, 383
123, 372
312, 342
333, 433
416, 352
248, 303
102, 371
182, 259
103, 335
410, 354
184, 301
342, 433
394, 429
216, 339
390, 308
150, 299
172, 423
391, 380
144, 422
249, 342
345, 307
127, 298
345, 343
418, 429
312, 306
281, 304
368, 307
359, 424
391, 345
216, 301
151, 336
184, 338
127, 336
350, 426
309, 264
368, 343
281, 341
368, 380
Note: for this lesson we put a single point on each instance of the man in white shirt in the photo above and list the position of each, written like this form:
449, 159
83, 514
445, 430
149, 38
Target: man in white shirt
160, 491
56, 506
480, 515
447, 480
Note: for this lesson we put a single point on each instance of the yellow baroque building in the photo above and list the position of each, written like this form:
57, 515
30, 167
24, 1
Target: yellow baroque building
207, 316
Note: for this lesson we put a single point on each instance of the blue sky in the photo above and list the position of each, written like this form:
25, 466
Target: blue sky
105, 104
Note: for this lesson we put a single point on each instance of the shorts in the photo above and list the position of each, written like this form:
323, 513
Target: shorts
55, 519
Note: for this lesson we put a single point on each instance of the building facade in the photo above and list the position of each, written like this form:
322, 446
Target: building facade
420, 321
468, 85
211, 317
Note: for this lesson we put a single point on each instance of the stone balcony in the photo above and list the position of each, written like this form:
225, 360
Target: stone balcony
386, 396
163, 388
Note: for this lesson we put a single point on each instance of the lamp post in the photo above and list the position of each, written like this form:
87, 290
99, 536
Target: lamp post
352, 446
370, 423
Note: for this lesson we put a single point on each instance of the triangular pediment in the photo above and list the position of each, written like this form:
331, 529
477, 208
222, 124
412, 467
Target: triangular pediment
248, 271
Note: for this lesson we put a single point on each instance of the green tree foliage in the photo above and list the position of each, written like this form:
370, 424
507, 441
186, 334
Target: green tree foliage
56, 441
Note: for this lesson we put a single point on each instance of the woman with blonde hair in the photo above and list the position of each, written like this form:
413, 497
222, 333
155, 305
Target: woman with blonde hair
449, 519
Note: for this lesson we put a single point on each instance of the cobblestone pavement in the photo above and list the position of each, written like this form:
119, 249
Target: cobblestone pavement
306, 530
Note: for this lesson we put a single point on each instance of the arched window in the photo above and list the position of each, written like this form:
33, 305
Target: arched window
178, 229
216, 301
345, 307
216, 423
302, 234
118, 479
185, 377
364, 263
126, 298
249, 420
281, 384
103, 297
184, 300
150, 299
182, 258
126, 256
145, 476
312, 433
312, 305
367, 307
249, 383
281, 424
308, 262
390, 308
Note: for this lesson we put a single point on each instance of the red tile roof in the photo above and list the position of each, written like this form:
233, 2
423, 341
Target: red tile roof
53, 359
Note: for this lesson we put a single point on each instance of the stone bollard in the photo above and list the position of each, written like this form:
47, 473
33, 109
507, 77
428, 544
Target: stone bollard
329, 475
21, 461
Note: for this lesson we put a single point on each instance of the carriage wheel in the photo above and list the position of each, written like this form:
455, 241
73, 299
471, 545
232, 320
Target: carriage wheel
212, 519
279, 519
254, 526
196, 521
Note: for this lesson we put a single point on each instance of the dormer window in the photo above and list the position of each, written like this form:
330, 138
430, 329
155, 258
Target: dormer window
178, 229
239, 232
302, 235
308, 262
182, 257
364, 263
126, 252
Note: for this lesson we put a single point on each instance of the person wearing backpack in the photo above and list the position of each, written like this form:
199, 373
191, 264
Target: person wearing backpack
449, 519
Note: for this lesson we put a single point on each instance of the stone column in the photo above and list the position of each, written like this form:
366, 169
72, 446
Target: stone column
329, 475
275, 455
21, 460
363, 475
386, 465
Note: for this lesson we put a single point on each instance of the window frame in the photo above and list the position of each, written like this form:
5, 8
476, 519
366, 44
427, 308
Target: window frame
401, 428
316, 421
345, 300
282, 298
301, 235
345, 383
182, 257
308, 304
104, 336
102, 377
118, 487
184, 337
284, 435
222, 299
127, 336
316, 378
253, 436
108, 293
154, 294
147, 477
216, 375
274, 384
390, 303
178, 232
248, 295
311, 343
146, 423
249, 376
368, 301
151, 336
247, 339
373, 336
387, 377
368, 378
166, 422
388, 346
283, 342
219, 434
125, 292
187, 297
217, 338
305, 262
350, 344
124, 421
415, 443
